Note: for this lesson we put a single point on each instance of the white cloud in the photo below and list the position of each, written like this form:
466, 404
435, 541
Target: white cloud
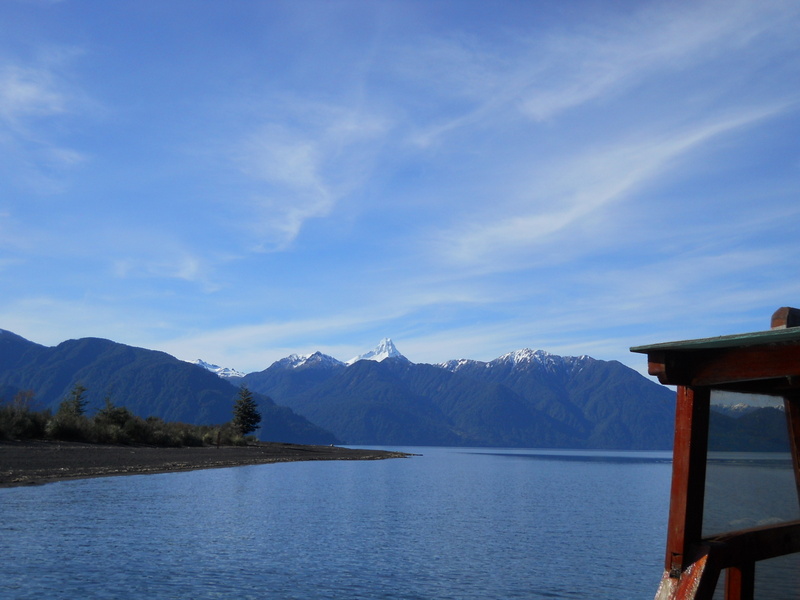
26, 92
616, 54
542, 76
277, 156
170, 262
290, 165
579, 187
32, 97
303, 163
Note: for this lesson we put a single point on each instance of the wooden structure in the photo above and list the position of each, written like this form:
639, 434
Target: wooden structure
766, 363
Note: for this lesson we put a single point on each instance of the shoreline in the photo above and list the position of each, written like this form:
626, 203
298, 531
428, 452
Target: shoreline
43, 461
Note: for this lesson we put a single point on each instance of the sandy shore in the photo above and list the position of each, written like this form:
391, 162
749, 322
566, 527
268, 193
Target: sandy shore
32, 463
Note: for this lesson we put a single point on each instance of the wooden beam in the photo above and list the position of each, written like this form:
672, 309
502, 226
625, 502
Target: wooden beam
740, 582
719, 367
737, 548
688, 477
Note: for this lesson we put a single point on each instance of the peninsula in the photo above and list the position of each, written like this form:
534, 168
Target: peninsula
39, 462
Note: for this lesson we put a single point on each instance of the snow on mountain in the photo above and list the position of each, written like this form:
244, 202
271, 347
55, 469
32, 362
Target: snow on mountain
224, 372
522, 359
550, 362
734, 410
295, 361
385, 349
458, 364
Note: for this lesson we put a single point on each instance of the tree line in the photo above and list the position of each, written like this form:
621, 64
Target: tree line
112, 424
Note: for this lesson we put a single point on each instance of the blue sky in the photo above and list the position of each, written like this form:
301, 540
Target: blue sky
242, 180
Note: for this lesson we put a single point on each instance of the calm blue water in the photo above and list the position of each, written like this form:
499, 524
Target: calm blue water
451, 524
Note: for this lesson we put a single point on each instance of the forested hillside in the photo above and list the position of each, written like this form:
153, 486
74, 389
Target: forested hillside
522, 399
147, 382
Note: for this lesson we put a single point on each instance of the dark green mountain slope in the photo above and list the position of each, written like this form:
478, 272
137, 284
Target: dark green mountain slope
528, 399
762, 430
147, 382
369, 404
292, 375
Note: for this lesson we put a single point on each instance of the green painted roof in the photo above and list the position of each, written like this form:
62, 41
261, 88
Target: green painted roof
757, 338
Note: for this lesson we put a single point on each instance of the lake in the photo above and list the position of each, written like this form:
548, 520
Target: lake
454, 523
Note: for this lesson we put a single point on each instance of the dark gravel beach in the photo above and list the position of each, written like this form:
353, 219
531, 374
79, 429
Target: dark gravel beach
32, 463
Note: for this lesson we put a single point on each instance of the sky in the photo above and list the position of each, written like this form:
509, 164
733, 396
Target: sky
243, 180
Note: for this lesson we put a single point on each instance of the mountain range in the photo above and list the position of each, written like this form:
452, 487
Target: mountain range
147, 382
524, 398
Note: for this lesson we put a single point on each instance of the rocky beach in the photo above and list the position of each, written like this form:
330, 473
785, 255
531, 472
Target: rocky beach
39, 462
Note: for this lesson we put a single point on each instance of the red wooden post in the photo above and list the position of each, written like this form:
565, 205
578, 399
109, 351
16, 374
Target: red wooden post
688, 476
763, 362
740, 582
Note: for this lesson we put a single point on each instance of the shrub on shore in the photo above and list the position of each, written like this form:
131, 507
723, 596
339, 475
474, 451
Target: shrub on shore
110, 425
19, 421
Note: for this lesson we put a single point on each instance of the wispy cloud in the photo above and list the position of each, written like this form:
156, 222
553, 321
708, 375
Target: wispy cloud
659, 39
290, 166
541, 77
303, 160
32, 96
580, 187
182, 266
29, 92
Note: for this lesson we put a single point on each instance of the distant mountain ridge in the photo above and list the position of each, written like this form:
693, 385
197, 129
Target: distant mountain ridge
523, 398
293, 361
517, 358
147, 382
756, 429
385, 349
224, 372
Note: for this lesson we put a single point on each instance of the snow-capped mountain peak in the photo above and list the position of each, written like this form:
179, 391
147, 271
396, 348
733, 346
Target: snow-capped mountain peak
522, 359
526, 357
224, 372
295, 361
385, 349
459, 363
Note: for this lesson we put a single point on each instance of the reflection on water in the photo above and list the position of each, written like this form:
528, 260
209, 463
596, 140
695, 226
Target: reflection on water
749, 490
590, 456
746, 490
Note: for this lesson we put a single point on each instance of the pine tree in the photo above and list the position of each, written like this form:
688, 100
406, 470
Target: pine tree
69, 422
75, 403
245, 412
